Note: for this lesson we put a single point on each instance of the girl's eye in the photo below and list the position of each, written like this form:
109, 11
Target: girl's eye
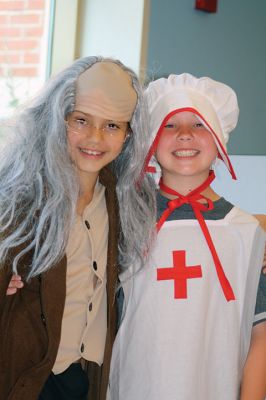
112, 126
81, 121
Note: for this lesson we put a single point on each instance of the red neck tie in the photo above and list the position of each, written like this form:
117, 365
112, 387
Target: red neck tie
193, 198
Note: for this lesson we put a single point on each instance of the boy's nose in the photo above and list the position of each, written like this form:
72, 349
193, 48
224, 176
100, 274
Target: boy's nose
184, 134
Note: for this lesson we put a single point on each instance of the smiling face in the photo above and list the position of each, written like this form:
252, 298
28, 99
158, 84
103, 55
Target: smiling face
186, 150
93, 142
105, 100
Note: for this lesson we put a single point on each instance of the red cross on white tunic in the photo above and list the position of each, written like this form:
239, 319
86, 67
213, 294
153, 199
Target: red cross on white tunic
179, 273
194, 199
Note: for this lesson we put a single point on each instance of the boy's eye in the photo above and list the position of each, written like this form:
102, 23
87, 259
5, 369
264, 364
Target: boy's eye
170, 126
198, 125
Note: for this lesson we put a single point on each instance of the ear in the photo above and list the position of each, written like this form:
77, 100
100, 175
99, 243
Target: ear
215, 163
127, 136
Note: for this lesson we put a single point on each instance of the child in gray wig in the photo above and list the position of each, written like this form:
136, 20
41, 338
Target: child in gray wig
59, 227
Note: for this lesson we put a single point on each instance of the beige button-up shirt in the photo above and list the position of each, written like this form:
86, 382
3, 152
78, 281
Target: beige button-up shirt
84, 322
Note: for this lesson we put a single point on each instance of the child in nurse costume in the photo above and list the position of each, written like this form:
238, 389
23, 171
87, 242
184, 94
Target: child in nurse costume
194, 318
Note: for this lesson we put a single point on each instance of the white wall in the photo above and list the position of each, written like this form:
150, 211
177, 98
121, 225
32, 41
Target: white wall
113, 29
64, 34
249, 190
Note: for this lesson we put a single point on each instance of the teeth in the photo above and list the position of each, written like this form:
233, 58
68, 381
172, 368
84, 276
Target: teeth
185, 153
91, 152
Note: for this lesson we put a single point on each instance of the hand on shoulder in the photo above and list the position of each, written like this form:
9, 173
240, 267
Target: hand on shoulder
14, 284
262, 220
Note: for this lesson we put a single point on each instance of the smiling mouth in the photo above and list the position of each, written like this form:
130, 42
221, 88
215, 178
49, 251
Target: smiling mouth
185, 153
91, 152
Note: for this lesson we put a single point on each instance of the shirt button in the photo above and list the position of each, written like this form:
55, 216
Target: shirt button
82, 348
87, 224
94, 264
90, 307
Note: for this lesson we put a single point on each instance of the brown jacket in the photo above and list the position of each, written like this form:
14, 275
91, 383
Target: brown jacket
30, 321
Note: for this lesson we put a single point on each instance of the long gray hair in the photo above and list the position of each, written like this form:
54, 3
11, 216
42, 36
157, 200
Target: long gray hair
39, 186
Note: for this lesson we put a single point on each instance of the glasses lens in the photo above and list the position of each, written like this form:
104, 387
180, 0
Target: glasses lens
83, 124
78, 121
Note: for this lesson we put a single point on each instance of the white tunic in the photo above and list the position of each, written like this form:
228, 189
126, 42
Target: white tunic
192, 348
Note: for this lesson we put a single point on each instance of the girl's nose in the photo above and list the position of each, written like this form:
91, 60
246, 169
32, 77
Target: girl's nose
94, 132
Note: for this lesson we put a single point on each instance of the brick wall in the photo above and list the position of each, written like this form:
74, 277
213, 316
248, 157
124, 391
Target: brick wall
21, 35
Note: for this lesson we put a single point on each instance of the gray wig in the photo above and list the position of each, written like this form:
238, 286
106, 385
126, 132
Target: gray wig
39, 186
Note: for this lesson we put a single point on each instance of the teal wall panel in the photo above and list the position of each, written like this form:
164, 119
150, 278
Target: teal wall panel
229, 46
